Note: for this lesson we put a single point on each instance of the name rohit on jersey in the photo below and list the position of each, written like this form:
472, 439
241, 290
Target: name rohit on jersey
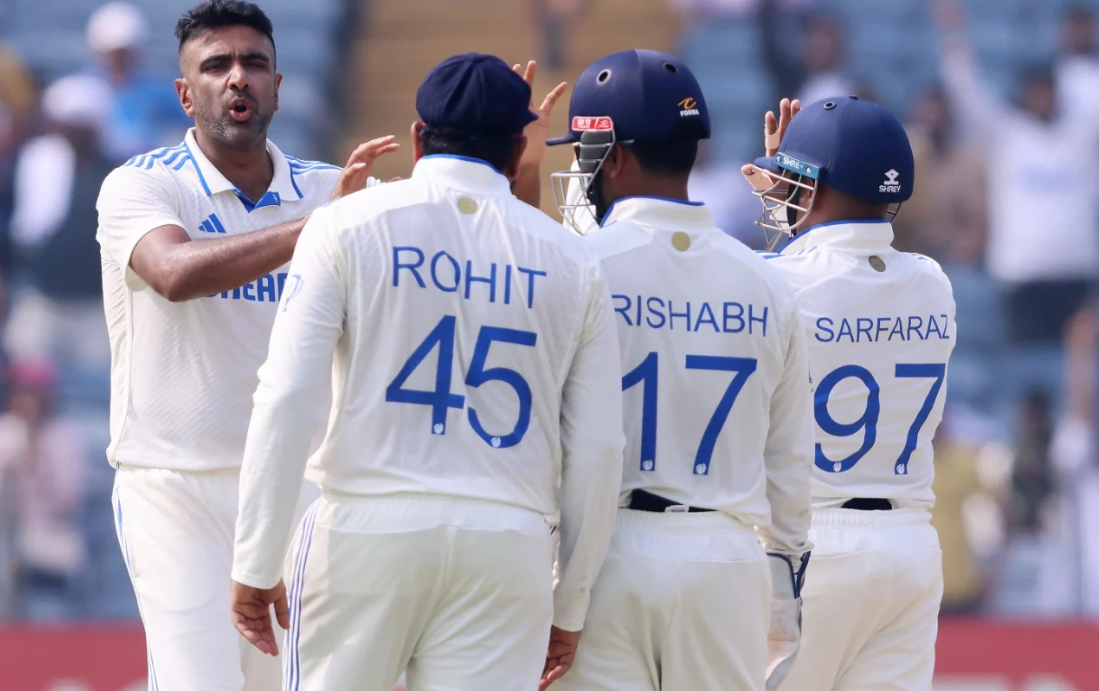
658, 313
504, 283
266, 288
876, 329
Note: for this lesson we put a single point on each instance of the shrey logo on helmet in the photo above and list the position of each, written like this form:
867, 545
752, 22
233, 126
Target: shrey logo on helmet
689, 107
891, 184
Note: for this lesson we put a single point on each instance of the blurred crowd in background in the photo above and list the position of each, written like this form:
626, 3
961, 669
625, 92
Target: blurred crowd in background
1007, 200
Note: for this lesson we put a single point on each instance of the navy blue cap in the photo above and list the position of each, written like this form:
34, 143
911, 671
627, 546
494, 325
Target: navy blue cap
855, 146
475, 94
646, 94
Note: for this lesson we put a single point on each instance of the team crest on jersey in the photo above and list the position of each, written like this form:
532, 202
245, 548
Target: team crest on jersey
688, 107
891, 184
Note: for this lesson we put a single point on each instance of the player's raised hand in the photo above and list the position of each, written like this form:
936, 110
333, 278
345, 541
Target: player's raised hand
354, 174
559, 657
774, 129
537, 132
251, 613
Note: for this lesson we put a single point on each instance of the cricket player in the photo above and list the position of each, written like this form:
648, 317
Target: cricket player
880, 328
718, 411
476, 411
195, 239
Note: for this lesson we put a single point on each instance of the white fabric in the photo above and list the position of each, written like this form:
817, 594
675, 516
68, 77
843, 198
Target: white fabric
1078, 86
784, 636
880, 323
78, 100
45, 172
115, 26
182, 374
717, 299
681, 604
374, 276
1043, 183
176, 533
825, 85
871, 603
457, 591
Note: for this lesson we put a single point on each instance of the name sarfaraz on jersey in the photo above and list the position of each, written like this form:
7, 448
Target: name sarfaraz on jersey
876, 329
496, 282
692, 316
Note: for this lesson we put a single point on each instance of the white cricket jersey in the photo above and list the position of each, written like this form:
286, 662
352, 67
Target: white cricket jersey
715, 382
474, 356
183, 373
880, 329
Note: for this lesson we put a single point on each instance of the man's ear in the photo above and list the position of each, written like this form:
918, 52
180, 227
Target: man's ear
417, 148
278, 82
615, 162
183, 89
512, 171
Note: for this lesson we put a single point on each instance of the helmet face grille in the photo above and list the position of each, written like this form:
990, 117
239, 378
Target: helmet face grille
570, 188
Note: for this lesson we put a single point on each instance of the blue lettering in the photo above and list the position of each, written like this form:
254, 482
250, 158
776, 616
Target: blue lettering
248, 294
918, 325
824, 325
946, 325
491, 280
637, 319
672, 314
397, 265
898, 329
706, 316
531, 273
859, 330
236, 294
881, 329
624, 309
761, 320
435, 272
656, 311
845, 330
282, 282
266, 286
932, 327
507, 284
738, 317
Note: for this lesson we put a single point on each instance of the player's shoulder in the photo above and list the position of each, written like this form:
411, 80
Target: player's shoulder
548, 231
614, 239
924, 265
312, 172
161, 170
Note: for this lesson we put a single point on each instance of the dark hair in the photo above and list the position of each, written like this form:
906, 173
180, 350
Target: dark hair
215, 14
675, 157
495, 149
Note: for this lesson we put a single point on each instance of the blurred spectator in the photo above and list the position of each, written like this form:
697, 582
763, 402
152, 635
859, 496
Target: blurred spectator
17, 99
1078, 69
818, 72
1043, 207
144, 110
58, 176
956, 480
1032, 479
42, 488
555, 19
945, 218
702, 11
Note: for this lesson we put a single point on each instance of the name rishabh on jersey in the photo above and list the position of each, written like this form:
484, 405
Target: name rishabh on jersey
880, 330
183, 373
716, 390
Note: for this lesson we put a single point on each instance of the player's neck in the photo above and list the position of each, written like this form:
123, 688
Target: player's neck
666, 188
250, 170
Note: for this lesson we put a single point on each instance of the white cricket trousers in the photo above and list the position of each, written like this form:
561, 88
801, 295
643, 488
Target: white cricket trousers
682, 604
176, 531
870, 604
458, 593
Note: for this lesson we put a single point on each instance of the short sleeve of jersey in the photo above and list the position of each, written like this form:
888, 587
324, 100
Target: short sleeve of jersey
131, 203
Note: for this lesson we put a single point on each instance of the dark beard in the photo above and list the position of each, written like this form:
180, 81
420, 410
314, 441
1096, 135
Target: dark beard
597, 198
223, 129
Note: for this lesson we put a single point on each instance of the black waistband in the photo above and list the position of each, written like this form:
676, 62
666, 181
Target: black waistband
640, 500
868, 504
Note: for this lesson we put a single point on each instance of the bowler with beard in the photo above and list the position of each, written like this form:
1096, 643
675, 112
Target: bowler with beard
195, 240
